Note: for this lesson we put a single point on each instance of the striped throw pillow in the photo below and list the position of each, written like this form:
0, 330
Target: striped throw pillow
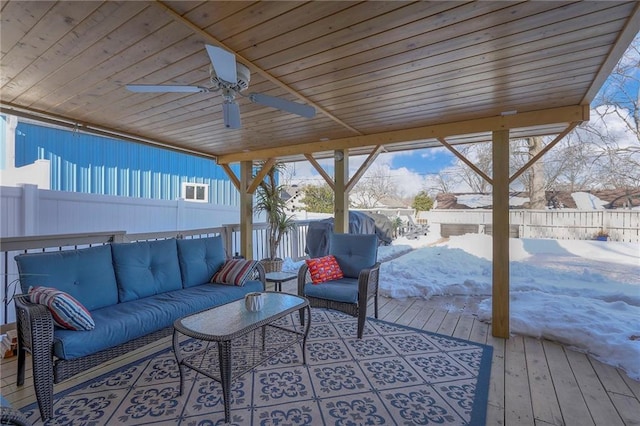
324, 269
66, 311
234, 272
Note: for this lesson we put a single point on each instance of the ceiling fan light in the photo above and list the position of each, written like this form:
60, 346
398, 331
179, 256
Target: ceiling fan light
231, 112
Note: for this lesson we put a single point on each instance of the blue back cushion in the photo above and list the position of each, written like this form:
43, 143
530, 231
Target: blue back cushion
146, 268
199, 259
86, 274
354, 252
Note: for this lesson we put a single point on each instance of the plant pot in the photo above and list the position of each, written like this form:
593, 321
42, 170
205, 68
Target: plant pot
272, 265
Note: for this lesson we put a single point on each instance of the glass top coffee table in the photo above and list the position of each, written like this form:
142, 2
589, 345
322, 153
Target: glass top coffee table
243, 339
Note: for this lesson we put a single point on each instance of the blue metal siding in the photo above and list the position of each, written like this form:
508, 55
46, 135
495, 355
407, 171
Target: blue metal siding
93, 164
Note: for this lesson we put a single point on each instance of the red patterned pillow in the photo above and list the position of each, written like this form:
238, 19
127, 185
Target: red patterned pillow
324, 269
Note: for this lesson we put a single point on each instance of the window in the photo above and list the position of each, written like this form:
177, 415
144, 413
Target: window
195, 192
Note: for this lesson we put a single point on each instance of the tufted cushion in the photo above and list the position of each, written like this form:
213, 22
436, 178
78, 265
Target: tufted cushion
234, 272
85, 274
146, 268
342, 290
354, 252
200, 258
323, 269
66, 311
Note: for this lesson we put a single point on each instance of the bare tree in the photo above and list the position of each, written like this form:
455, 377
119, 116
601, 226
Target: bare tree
443, 181
376, 185
481, 155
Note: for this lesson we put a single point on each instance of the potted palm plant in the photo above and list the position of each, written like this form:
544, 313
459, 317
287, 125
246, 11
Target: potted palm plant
269, 201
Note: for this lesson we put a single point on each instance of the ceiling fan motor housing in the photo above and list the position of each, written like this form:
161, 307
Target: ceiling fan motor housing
243, 75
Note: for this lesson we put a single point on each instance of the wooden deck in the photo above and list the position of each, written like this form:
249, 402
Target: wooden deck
533, 382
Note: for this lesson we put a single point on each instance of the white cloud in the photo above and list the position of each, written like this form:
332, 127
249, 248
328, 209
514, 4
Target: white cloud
409, 183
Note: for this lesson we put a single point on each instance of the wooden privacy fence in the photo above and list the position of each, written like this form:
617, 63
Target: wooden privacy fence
565, 224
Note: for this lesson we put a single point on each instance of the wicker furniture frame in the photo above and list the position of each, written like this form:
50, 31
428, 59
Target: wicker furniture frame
223, 325
11, 416
367, 289
35, 335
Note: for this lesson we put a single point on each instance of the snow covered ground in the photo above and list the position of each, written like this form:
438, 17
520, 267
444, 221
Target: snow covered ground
585, 294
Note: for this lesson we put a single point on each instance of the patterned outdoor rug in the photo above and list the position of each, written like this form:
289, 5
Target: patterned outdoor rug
394, 375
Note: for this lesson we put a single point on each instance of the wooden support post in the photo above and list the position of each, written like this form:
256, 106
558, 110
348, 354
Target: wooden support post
246, 210
500, 213
341, 200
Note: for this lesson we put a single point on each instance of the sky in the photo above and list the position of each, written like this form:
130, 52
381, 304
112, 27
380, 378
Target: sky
583, 294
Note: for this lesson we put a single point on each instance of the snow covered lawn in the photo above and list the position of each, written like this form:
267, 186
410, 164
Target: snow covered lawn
585, 294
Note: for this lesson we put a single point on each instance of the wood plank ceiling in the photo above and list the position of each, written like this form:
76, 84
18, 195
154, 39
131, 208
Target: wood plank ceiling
394, 73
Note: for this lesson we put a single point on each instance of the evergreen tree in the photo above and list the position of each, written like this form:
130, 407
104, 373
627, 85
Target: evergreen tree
422, 202
318, 198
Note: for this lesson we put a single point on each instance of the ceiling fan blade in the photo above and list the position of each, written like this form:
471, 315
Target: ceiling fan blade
224, 63
284, 105
145, 88
231, 112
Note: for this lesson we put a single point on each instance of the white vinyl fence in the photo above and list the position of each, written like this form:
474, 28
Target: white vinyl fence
28, 210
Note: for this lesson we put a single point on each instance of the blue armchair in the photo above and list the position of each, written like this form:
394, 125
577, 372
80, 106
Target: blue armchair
357, 256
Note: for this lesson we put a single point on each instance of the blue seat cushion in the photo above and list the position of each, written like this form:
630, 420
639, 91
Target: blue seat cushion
146, 268
354, 252
120, 323
200, 259
86, 274
342, 290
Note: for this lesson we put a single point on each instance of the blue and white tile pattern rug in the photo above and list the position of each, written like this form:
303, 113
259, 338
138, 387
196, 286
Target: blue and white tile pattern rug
394, 375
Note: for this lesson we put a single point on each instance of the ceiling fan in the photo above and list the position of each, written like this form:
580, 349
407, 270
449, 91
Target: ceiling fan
231, 78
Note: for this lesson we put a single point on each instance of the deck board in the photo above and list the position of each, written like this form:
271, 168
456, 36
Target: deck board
517, 402
543, 399
600, 406
573, 406
532, 381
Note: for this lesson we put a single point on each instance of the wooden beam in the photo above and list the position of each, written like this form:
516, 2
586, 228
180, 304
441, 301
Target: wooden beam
364, 167
232, 176
320, 170
246, 210
500, 213
567, 114
341, 196
543, 151
261, 174
464, 159
253, 67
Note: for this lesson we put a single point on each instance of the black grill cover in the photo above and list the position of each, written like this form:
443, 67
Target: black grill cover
318, 233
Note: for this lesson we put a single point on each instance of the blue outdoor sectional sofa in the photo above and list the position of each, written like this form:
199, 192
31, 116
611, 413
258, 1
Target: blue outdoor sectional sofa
133, 293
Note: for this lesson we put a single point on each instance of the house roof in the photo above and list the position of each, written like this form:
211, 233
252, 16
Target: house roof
391, 73
612, 199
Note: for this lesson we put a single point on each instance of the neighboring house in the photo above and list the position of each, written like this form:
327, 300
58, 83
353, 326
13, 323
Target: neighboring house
64, 160
583, 200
